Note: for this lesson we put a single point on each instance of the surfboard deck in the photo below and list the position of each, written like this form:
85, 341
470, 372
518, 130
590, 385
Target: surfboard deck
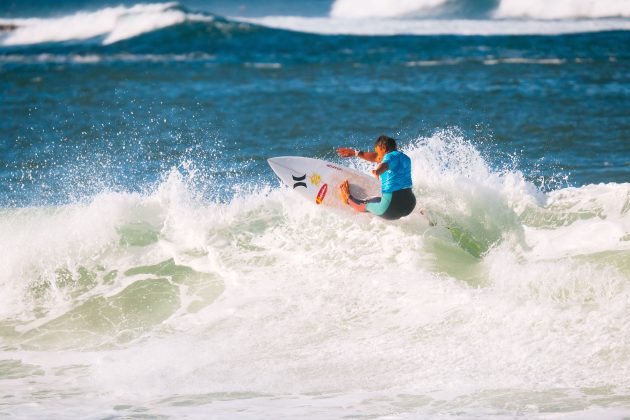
318, 180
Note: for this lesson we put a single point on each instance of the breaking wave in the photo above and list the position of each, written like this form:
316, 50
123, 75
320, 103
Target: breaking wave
107, 26
538, 9
113, 292
376, 26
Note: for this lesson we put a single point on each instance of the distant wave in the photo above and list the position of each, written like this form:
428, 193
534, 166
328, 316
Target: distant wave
393, 26
532, 9
108, 25
173, 29
563, 9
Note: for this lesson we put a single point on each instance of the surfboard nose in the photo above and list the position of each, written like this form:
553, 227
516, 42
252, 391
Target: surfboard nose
274, 163
283, 168
281, 165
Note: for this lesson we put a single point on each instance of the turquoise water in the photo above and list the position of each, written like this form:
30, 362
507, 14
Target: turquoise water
152, 264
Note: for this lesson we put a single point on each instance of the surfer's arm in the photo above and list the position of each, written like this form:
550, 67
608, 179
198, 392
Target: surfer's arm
369, 156
346, 152
380, 169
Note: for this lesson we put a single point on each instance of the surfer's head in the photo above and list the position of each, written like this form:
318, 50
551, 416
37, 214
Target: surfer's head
386, 142
384, 145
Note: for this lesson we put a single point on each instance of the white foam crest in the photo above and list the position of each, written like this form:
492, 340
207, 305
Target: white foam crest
113, 24
460, 189
533, 9
447, 159
394, 26
361, 9
562, 9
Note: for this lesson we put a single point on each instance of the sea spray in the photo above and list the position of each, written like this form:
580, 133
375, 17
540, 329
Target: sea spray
115, 232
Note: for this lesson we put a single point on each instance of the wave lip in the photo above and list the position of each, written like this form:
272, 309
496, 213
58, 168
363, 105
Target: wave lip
112, 24
533, 9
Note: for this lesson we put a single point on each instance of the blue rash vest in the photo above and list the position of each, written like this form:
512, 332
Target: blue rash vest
398, 173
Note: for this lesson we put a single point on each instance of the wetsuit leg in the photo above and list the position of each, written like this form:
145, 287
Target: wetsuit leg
402, 204
379, 207
390, 206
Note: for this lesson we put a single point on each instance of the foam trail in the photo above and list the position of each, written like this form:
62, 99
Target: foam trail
113, 24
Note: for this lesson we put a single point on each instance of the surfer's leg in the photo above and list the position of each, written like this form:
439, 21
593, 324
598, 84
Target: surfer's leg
355, 203
379, 205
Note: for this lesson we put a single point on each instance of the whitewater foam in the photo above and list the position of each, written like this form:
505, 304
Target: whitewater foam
353, 9
456, 185
110, 24
395, 26
268, 299
564, 9
538, 9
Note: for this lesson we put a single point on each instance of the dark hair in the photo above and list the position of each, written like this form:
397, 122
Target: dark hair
387, 142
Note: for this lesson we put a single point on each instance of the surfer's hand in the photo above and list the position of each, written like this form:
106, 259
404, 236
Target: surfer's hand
376, 174
345, 152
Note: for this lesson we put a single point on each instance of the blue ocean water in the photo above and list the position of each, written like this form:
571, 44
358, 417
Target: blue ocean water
146, 102
140, 223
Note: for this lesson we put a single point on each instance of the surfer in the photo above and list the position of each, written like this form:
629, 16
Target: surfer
394, 170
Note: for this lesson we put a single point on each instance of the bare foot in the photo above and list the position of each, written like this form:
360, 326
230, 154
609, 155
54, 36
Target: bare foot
344, 187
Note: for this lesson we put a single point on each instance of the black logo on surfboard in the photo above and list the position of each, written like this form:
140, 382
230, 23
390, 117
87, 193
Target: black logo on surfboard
298, 179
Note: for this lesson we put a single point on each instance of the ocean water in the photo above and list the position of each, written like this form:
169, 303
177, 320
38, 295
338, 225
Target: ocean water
151, 264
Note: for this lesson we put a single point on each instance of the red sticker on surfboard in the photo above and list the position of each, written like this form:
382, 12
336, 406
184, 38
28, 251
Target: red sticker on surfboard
321, 194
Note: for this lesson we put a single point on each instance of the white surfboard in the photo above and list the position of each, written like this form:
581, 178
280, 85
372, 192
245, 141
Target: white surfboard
318, 180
